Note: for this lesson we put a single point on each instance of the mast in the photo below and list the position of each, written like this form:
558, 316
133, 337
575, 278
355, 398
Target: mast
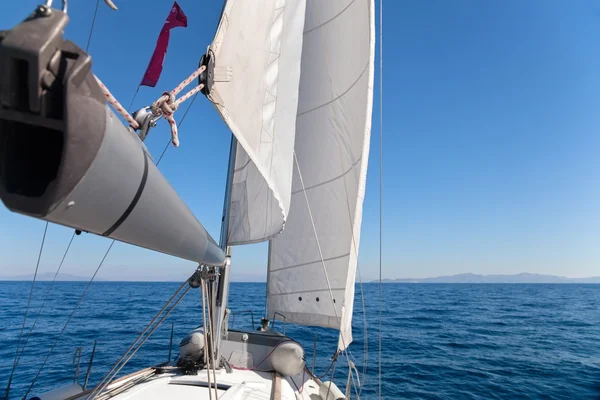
225, 275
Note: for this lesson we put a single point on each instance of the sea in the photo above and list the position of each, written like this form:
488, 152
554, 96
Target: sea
439, 341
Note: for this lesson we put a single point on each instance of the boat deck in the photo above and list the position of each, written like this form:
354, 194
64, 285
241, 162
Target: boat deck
236, 385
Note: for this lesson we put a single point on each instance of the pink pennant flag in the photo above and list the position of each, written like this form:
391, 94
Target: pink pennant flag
176, 18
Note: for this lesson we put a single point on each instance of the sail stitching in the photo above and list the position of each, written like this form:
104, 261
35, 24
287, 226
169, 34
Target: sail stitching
332, 179
338, 97
310, 262
312, 221
308, 291
331, 19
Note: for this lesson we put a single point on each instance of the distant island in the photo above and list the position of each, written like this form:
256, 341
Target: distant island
516, 278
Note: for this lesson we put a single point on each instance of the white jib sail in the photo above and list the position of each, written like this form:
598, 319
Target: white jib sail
259, 43
332, 148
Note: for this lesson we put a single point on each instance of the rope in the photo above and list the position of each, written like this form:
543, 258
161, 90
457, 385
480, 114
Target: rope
210, 365
117, 106
380, 178
331, 379
47, 295
92, 27
350, 217
17, 355
104, 379
180, 123
166, 105
68, 320
312, 221
211, 343
205, 336
99, 388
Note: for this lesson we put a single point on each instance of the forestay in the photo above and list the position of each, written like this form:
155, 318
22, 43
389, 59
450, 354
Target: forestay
332, 148
259, 43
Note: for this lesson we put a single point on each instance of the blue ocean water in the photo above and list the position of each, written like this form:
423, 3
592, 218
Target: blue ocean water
440, 341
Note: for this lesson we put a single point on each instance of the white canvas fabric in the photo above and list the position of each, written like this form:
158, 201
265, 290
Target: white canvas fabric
259, 42
333, 128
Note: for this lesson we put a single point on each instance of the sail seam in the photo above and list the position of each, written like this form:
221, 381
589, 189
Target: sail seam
338, 97
332, 179
331, 19
308, 291
243, 166
311, 262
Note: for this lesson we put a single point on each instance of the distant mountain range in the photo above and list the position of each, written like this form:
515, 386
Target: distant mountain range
517, 278
460, 278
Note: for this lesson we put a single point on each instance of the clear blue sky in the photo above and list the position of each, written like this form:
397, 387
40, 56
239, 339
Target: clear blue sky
491, 163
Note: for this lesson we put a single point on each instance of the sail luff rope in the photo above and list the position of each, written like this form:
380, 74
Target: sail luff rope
37, 266
380, 180
68, 320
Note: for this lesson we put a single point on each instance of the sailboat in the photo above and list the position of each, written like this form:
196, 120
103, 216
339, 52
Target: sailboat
293, 81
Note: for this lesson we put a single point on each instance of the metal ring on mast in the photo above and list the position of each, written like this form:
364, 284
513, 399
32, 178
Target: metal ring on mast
48, 5
64, 3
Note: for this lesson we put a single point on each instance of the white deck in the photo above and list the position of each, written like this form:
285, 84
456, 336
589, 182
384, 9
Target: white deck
237, 385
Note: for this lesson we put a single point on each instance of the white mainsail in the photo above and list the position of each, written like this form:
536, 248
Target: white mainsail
332, 147
260, 41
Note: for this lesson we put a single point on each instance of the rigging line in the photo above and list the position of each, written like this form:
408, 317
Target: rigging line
142, 334
47, 295
208, 326
211, 344
84, 292
312, 221
331, 379
134, 96
380, 178
335, 96
68, 319
99, 389
37, 266
203, 293
92, 27
180, 123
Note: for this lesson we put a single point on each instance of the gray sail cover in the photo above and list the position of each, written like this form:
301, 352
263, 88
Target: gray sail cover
257, 50
332, 147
